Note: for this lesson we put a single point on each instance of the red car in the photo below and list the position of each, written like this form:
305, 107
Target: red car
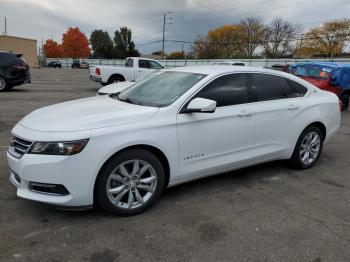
332, 77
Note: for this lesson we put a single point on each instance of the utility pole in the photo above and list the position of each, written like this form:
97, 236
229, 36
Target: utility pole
301, 44
163, 41
5, 26
164, 24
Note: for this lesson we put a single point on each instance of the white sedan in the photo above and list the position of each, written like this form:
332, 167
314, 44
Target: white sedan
114, 88
121, 151
233, 63
118, 87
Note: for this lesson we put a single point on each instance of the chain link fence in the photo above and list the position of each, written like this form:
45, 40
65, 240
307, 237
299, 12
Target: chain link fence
67, 62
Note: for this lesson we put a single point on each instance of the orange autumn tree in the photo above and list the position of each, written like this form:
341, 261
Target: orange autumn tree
52, 49
222, 42
75, 44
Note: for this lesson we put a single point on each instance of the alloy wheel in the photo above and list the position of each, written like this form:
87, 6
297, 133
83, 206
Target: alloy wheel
2, 83
310, 148
131, 184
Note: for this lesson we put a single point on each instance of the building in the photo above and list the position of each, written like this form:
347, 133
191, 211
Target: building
20, 45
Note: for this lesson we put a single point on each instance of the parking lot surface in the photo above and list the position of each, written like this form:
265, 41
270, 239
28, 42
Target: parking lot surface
264, 213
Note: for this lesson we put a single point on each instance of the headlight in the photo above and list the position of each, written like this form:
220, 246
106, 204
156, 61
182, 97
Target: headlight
58, 148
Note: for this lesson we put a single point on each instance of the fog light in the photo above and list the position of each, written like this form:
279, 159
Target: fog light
51, 189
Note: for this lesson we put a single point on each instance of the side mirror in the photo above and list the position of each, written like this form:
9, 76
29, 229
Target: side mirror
201, 105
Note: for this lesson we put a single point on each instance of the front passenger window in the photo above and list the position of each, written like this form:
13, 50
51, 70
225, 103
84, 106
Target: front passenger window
154, 65
227, 90
143, 64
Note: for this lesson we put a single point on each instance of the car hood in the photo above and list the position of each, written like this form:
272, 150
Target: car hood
86, 114
115, 88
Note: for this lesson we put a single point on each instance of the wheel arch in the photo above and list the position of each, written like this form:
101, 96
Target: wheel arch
116, 75
346, 92
152, 149
320, 125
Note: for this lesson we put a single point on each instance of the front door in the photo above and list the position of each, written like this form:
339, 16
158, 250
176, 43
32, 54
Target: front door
219, 141
143, 69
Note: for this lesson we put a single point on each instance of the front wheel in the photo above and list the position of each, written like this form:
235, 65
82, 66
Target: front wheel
130, 182
345, 102
308, 148
3, 84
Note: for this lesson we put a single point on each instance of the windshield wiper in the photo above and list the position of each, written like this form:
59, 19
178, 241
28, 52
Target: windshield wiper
126, 100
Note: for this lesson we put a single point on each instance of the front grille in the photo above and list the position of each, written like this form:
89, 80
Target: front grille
19, 146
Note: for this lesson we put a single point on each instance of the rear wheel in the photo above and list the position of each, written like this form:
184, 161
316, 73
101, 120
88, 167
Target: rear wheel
130, 182
3, 84
115, 79
308, 148
345, 102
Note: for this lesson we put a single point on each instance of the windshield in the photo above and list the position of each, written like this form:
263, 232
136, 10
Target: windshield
161, 89
312, 71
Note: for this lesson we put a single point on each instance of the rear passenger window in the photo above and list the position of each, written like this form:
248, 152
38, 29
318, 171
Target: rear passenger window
298, 90
227, 90
270, 87
7, 58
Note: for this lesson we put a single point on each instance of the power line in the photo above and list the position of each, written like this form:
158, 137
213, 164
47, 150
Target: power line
150, 43
303, 38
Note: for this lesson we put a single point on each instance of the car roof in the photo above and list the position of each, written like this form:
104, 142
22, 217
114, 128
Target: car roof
143, 58
7, 53
222, 69
217, 70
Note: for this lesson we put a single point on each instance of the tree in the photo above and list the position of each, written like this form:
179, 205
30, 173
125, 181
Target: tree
124, 46
75, 44
52, 49
251, 36
102, 44
176, 55
279, 38
221, 42
329, 39
159, 52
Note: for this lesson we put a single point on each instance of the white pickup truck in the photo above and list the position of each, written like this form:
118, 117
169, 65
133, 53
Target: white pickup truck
135, 68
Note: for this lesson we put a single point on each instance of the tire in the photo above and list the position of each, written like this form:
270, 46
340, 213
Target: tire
115, 79
3, 84
306, 152
345, 102
130, 190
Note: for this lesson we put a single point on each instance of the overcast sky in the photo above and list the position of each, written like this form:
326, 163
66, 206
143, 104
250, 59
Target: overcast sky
43, 19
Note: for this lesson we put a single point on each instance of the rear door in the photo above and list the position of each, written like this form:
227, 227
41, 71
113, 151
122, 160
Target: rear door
278, 109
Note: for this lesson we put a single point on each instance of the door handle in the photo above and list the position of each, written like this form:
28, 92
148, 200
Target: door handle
293, 107
140, 71
244, 113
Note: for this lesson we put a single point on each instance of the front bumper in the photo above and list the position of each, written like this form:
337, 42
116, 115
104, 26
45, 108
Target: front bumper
76, 173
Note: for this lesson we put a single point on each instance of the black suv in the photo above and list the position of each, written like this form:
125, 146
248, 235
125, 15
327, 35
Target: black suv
14, 71
54, 64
